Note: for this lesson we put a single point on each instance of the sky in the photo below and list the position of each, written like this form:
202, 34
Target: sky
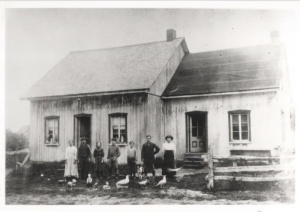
37, 39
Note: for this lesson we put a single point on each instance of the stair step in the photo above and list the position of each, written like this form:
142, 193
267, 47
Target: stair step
194, 158
192, 162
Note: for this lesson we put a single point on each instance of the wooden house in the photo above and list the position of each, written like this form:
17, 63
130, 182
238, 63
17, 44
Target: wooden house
236, 99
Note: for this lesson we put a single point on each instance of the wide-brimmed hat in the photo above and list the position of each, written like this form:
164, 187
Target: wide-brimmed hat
169, 136
148, 136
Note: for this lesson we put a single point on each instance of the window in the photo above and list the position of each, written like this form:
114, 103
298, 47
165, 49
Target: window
118, 127
52, 130
239, 125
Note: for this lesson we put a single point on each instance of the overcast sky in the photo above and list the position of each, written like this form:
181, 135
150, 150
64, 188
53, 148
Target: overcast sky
37, 39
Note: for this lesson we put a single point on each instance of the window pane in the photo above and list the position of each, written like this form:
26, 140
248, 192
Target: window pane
244, 135
236, 135
200, 131
52, 131
245, 127
194, 122
122, 121
115, 121
235, 127
235, 118
244, 118
194, 132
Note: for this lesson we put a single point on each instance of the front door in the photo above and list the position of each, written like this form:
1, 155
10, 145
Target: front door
197, 131
82, 128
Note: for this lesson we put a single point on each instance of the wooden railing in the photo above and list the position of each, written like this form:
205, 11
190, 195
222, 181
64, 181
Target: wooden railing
270, 168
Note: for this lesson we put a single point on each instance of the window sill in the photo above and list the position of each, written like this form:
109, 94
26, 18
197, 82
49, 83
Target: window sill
51, 144
239, 142
125, 144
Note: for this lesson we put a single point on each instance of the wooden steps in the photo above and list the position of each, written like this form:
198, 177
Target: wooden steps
194, 160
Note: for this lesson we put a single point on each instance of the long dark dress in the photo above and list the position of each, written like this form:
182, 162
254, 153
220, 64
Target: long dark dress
168, 163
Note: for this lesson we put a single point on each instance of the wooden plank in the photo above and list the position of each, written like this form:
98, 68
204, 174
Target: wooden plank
253, 168
244, 157
210, 176
254, 179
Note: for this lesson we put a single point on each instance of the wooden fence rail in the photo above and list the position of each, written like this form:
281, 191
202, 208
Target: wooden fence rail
271, 171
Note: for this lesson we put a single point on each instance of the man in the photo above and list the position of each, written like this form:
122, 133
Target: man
149, 149
112, 158
84, 154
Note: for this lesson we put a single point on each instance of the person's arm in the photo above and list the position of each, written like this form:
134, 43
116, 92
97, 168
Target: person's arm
118, 152
156, 149
94, 152
142, 153
108, 153
135, 154
174, 151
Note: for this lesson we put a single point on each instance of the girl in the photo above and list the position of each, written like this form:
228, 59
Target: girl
99, 155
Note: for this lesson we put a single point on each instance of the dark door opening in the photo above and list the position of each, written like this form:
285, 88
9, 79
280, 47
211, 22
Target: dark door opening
197, 132
82, 128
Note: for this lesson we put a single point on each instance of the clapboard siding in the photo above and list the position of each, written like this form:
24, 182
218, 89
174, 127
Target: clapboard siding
99, 108
265, 120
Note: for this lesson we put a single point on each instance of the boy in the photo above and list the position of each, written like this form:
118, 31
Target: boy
131, 159
112, 158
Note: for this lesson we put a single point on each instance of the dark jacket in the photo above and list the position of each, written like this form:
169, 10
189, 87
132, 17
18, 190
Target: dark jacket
149, 149
98, 152
113, 152
84, 151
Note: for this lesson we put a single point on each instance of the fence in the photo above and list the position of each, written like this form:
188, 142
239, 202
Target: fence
249, 168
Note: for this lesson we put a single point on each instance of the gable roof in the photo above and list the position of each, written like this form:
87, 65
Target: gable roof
105, 70
229, 70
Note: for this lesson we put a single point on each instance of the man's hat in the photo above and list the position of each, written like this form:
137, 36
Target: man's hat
148, 136
169, 136
83, 138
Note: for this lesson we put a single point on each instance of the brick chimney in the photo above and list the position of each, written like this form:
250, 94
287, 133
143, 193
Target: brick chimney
275, 37
171, 34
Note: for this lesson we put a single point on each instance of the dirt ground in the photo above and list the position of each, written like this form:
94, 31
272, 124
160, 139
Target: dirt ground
187, 189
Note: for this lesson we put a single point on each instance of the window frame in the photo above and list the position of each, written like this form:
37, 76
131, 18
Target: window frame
230, 123
48, 118
113, 115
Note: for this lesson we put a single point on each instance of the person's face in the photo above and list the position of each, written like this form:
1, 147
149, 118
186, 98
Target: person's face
83, 141
98, 145
148, 139
71, 143
169, 140
131, 145
114, 143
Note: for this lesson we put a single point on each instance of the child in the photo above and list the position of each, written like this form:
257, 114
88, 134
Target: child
131, 159
99, 155
112, 158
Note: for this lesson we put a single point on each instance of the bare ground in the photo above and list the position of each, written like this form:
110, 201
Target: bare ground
190, 189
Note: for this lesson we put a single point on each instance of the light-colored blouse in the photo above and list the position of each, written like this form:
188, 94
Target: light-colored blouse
71, 151
169, 146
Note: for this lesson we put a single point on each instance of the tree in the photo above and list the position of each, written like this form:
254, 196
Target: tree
15, 141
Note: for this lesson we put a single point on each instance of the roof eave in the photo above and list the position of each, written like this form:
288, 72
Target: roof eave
68, 96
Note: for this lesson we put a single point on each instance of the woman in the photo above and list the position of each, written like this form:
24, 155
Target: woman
169, 152
99, 155
71, 170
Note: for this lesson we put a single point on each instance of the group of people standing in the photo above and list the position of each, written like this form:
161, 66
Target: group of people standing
148, 152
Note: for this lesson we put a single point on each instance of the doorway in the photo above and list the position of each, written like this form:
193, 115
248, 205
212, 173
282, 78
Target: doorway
196, 132
82, 128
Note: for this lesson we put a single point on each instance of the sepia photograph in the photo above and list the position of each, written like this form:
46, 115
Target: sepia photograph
150, 106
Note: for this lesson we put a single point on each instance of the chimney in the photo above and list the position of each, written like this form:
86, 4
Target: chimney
275, 37
171, 34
